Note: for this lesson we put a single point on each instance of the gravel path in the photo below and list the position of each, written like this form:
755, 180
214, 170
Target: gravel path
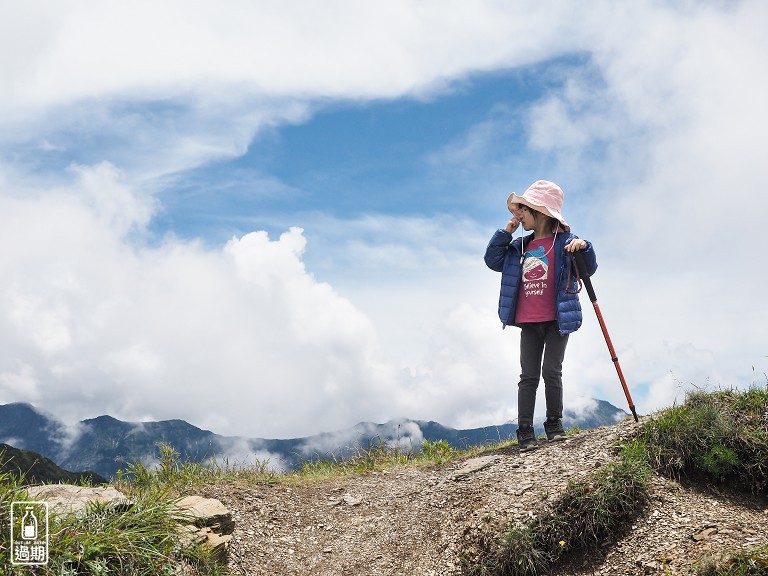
418, 521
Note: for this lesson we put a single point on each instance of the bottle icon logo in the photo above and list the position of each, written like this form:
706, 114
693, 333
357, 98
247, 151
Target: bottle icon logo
29, 533
29, 524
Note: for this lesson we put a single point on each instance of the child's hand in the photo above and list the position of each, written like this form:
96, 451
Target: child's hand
576, 244
512, 225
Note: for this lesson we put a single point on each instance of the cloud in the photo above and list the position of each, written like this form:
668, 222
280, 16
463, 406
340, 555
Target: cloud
652, 120
240, 453
158, 89
66, 436
233, 335
240, 339
288, 48
19, 385
426, 289
396, 434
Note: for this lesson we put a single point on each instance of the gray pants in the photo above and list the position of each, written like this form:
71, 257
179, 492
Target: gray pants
540, 341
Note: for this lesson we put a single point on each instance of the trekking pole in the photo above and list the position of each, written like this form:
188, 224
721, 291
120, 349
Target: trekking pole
582, 268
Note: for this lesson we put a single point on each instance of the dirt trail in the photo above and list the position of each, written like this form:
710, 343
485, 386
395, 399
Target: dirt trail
417, 521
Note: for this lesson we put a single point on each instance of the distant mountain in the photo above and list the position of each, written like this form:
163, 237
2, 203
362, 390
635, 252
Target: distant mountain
33, 468
105, 444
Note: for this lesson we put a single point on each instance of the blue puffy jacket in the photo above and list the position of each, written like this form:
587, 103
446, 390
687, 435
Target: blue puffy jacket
504, 255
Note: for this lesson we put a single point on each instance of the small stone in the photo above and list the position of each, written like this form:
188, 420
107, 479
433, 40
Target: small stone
190, 536
522, 489
474, 465
651, 567
351, 500
218, 545
704, 534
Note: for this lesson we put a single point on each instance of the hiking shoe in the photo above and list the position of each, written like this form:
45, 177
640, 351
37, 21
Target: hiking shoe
526, 438
554, 429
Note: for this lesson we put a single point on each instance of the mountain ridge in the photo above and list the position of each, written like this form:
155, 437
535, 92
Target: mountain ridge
105, 444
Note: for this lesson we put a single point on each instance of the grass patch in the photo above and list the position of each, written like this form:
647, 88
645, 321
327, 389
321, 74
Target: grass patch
721, 435
177, 477
139, 541
588, 512
747, 563
10, 491
376, 455
380, 455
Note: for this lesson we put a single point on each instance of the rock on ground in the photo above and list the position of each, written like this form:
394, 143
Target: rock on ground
68, 498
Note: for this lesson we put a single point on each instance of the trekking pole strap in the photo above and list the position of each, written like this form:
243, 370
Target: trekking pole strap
582, 275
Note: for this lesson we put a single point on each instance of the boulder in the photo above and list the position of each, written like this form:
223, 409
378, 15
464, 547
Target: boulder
205, 512
206, 521
71, 499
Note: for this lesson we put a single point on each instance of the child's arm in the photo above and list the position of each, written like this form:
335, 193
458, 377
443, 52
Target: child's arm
497, 249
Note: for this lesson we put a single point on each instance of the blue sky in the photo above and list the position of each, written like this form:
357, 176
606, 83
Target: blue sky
351, 158
270, 221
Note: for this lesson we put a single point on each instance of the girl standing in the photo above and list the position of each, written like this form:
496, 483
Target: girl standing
539, 294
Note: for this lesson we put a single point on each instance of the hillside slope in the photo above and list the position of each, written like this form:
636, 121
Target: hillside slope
34, 468
419, 521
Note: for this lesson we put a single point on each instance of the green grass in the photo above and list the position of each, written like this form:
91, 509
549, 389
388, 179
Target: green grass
745, 563
182, 477
139, 541
378, 455
588, 512
178, 478
721, 436
10, 491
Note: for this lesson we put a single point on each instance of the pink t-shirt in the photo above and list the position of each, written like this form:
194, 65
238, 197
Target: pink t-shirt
536, 298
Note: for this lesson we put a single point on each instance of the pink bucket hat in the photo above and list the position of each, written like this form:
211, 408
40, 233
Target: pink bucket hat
543, 196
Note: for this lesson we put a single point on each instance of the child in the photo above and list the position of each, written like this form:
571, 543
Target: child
539, 295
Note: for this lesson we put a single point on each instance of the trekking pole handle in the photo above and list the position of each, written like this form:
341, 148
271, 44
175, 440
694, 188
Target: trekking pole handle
581, 266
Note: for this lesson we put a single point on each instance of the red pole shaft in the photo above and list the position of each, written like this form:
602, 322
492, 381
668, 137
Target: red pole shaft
614, 358
579, 257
